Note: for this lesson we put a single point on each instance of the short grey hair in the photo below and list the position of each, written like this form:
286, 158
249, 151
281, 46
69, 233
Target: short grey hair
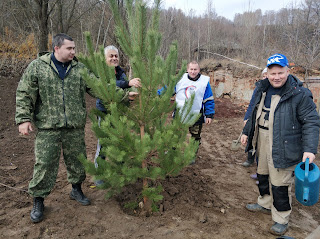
109, 48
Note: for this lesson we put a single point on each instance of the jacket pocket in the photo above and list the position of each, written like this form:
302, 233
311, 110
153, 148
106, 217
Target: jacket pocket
293, 148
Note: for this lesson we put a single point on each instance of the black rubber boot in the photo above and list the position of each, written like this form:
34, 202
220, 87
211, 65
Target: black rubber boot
77, 194
36, 214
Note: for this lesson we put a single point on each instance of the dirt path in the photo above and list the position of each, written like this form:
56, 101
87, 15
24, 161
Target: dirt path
205, 201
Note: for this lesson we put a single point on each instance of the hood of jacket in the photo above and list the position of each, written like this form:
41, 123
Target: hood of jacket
46, 57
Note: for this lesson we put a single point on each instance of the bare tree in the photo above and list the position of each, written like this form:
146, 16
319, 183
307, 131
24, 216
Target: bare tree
37, 13
210, 16
251, 36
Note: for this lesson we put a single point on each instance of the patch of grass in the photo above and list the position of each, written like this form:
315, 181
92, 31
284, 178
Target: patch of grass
131, 205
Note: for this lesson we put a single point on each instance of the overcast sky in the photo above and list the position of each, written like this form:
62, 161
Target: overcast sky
228, 8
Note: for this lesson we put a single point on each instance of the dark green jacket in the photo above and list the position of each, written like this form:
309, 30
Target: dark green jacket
296, 123
46, 100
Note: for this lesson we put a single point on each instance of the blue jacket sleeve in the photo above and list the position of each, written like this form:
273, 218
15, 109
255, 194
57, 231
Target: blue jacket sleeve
162, 90
250, 107
122, 82
208, 102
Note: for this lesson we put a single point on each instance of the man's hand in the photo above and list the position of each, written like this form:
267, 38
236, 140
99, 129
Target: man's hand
24, 128
133, 95
306, 155
208, 120
136, 82
244, 139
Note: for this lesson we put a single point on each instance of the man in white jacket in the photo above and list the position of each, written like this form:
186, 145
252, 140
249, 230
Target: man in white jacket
195, 83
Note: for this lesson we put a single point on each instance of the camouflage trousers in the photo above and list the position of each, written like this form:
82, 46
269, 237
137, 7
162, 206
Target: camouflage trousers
48, 145
195, 132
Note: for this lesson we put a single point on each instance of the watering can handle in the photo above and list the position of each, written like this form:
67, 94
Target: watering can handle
306, 169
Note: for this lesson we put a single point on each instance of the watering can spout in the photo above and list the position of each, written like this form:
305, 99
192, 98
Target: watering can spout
306, 194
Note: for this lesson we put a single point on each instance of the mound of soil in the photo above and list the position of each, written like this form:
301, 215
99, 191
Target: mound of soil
237, 69
206, 200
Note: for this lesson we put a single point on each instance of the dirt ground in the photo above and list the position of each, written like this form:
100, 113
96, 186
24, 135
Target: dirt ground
206, 200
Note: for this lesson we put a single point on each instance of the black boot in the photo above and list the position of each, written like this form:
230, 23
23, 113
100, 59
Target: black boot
77, 194
36, 214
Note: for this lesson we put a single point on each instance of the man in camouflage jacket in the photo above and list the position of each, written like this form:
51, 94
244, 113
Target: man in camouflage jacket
51, 95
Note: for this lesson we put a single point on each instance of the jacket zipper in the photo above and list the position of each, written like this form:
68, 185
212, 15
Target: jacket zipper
64, 105
63, 99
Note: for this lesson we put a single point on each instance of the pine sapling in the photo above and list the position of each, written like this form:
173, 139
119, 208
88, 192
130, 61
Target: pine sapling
138, 140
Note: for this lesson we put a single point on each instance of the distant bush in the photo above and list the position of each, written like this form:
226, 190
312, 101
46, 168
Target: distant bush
16, 52
16, 46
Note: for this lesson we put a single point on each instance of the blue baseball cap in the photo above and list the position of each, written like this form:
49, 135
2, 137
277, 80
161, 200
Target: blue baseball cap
278, 59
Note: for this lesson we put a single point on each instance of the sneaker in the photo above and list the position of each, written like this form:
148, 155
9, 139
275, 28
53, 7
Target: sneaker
285, 237
257, 208
250, 159
254, 176
279, 229
98, 182
247, 163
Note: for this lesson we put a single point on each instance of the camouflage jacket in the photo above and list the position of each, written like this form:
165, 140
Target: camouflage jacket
46, 100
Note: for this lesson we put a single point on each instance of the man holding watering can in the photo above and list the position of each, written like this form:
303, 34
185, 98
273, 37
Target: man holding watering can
283, 130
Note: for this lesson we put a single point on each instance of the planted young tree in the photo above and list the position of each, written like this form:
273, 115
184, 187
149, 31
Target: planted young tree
139, 141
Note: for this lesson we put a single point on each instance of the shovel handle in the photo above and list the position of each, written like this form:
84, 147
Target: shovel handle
239, 137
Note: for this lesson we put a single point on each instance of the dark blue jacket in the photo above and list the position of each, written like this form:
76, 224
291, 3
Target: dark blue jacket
296, 123
250, 106
121, 81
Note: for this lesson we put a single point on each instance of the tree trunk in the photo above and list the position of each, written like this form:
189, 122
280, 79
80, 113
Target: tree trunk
146, 202
43, 24
60, 16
